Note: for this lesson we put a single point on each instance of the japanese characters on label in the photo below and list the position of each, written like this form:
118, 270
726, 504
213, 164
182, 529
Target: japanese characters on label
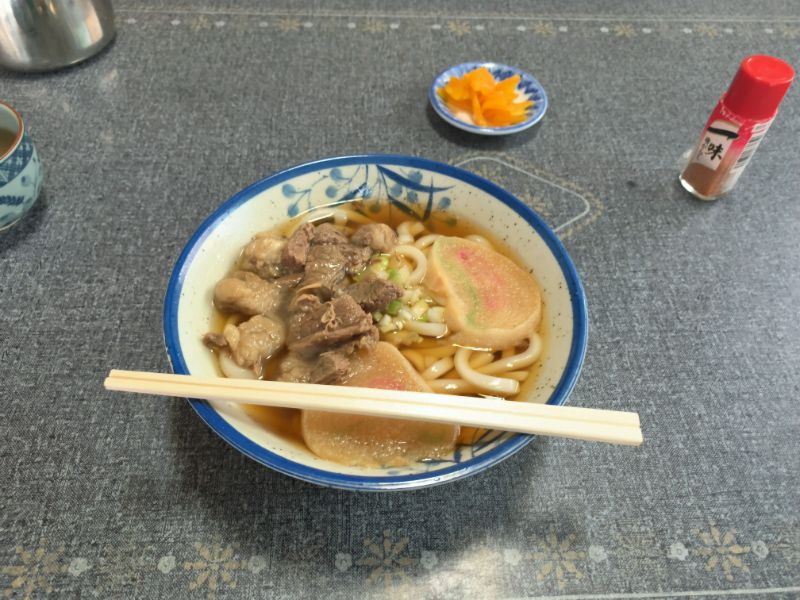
715, 143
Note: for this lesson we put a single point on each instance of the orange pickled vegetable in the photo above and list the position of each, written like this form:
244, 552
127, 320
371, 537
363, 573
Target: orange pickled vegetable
488, 102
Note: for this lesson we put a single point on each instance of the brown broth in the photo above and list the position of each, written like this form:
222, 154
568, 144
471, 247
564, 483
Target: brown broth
7, 139
285, 422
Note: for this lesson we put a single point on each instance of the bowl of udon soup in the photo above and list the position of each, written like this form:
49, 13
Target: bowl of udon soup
375, 271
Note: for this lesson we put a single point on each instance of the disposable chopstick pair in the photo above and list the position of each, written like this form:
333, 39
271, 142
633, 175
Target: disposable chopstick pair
491, 413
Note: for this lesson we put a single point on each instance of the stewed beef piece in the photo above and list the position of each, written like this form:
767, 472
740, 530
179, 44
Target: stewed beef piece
381, 238
251, 342
373, 293
314, 329
248, 294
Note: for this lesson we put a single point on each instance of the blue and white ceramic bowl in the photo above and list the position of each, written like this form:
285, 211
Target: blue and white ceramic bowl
20, 170
527, 89
419, 186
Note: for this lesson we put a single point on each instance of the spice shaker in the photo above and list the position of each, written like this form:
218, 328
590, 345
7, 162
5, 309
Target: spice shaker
736, 126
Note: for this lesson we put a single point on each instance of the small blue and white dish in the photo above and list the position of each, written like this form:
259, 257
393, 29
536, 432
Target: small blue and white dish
423, 188
20, 169
527, 89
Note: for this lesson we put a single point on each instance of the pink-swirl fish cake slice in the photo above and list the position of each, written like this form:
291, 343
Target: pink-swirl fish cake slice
490, 302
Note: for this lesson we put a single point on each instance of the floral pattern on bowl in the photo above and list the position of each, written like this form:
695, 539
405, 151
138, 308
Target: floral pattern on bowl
20, 171
405, 189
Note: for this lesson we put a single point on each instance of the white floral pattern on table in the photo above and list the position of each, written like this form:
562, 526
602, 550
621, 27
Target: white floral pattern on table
375, 26
678, 551
388, 561
624, 28
721, 551
215, 567
459, 27
387, 558
558, 558
36, 572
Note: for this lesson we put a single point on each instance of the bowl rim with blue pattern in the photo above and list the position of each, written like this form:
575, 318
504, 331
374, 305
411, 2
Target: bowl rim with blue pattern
21, 173
499, 71
391, 164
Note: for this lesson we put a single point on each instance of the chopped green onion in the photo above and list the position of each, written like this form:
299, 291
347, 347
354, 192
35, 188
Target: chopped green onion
419, 308
386, 324
382, 260
406, 314
394, 275
394, 306
378, 271
411, 296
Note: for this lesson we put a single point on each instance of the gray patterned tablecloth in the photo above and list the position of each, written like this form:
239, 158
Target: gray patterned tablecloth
693, 307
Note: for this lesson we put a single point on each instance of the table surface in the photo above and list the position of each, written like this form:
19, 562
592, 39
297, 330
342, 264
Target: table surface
693, 307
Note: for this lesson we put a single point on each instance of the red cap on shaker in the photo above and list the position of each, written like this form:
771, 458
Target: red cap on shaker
759, 86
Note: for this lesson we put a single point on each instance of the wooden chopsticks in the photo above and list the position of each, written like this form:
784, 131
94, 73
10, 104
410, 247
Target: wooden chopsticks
492, 413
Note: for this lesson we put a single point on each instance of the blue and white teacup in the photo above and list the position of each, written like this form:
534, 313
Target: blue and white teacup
20, 169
